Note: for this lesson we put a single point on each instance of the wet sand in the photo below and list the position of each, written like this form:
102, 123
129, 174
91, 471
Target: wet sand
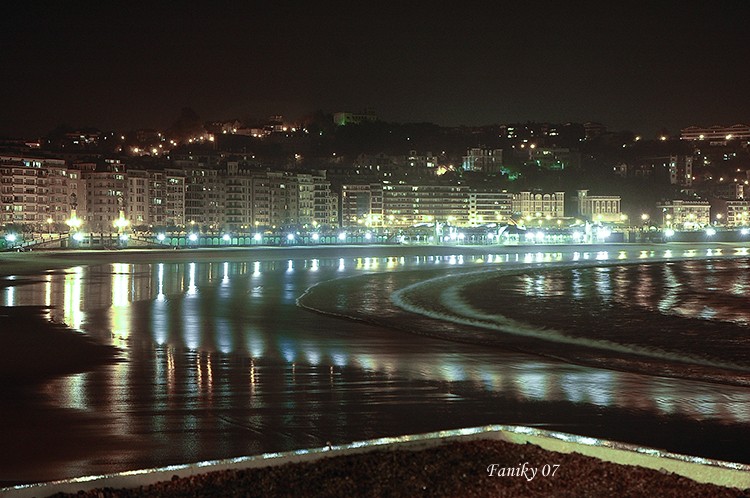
32, 348
27, 265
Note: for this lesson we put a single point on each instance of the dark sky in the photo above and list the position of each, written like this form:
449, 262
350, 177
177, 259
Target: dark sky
123, 65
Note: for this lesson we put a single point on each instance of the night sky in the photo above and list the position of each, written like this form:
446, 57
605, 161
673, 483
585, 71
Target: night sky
125, 65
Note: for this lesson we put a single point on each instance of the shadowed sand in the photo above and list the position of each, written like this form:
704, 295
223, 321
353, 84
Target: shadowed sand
33, 348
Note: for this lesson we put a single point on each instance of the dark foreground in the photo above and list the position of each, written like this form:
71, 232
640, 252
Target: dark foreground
457, 469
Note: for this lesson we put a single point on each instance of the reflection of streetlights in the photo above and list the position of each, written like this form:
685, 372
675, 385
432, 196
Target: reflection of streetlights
49, 225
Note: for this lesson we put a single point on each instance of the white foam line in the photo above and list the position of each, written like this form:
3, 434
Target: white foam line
465, 314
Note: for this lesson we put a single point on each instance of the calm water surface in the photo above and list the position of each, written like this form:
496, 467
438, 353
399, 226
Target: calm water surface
220, 361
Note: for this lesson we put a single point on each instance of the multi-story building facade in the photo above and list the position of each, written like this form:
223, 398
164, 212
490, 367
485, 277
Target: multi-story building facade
204, 194
25, 196
266, 199
534, 204
483, 160
716, 133
238, 191
684, 214
400, 205
191, 193
602, 208
61, 183
490, 207
737, 213
106, 195
409, 205
325, 202
358, 206
174, 212
139, 198
730, 191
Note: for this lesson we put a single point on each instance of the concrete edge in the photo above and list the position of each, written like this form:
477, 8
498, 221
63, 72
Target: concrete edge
702, 470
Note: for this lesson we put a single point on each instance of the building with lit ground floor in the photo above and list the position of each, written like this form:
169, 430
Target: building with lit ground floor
684, 214
599, 208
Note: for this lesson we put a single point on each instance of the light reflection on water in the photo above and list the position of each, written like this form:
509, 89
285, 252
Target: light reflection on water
208, 338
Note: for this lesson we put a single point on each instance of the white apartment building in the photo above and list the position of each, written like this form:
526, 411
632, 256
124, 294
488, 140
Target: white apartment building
684, 214
602, 208
490, 207
539, 205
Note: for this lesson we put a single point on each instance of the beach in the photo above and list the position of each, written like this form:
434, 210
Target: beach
215, 359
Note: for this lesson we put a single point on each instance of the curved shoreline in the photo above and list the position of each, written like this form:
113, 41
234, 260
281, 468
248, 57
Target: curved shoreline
484, 330
31, 264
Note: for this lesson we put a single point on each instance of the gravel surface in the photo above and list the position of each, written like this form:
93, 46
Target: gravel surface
452, 470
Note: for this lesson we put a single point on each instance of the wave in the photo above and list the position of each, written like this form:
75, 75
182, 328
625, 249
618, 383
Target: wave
463, 313
429, 303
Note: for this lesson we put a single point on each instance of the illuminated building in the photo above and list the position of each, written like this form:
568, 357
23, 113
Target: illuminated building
490, 207
484, 160
604, 208
24, 190
174, 212
685, 214
106, 195
539, 205
716, 134
737, 213
345, 118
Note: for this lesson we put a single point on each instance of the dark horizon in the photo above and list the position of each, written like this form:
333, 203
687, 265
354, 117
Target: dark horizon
631, 66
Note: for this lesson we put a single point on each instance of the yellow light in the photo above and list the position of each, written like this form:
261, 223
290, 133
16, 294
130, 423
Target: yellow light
121, 223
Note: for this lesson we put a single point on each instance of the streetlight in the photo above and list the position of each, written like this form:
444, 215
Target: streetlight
11, 239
